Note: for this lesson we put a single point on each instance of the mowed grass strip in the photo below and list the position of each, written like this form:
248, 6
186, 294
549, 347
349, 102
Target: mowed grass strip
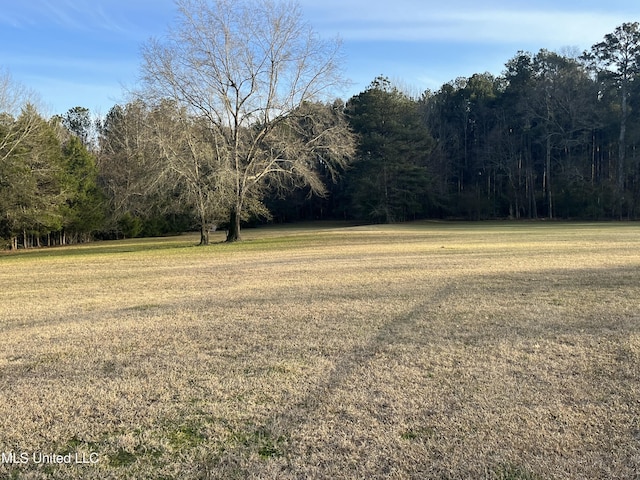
427, 350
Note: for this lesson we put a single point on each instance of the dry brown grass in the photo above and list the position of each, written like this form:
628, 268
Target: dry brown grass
504, 351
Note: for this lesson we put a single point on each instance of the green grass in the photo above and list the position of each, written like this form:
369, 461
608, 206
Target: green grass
425, 350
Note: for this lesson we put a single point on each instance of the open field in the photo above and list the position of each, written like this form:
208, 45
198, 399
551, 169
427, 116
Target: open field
430, 350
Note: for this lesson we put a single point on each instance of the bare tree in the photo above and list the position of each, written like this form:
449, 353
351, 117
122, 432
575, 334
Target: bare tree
190, 168
250, 69
129, 168
14, 97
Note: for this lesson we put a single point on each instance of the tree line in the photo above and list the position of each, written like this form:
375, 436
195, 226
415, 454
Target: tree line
555, 136
49, 192
230, 129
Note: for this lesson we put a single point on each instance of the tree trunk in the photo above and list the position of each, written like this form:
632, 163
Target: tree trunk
233, 234
548, 180
204, 233
622, 148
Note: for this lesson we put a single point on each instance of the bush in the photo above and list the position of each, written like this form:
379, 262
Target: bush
130, 226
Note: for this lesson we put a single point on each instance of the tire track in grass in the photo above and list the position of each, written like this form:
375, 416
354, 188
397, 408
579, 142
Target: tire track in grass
282, 436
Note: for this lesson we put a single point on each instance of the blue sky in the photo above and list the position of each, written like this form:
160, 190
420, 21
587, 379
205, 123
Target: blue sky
84, 52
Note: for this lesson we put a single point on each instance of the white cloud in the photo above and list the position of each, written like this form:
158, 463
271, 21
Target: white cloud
410, 20
117, 17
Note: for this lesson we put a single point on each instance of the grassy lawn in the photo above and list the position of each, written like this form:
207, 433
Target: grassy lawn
426, 350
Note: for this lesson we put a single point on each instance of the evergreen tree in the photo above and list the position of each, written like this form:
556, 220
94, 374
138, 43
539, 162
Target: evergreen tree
390, 181
616, 61
35, 193
83, 211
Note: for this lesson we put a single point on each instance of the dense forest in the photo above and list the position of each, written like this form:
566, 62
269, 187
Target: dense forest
555, 136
